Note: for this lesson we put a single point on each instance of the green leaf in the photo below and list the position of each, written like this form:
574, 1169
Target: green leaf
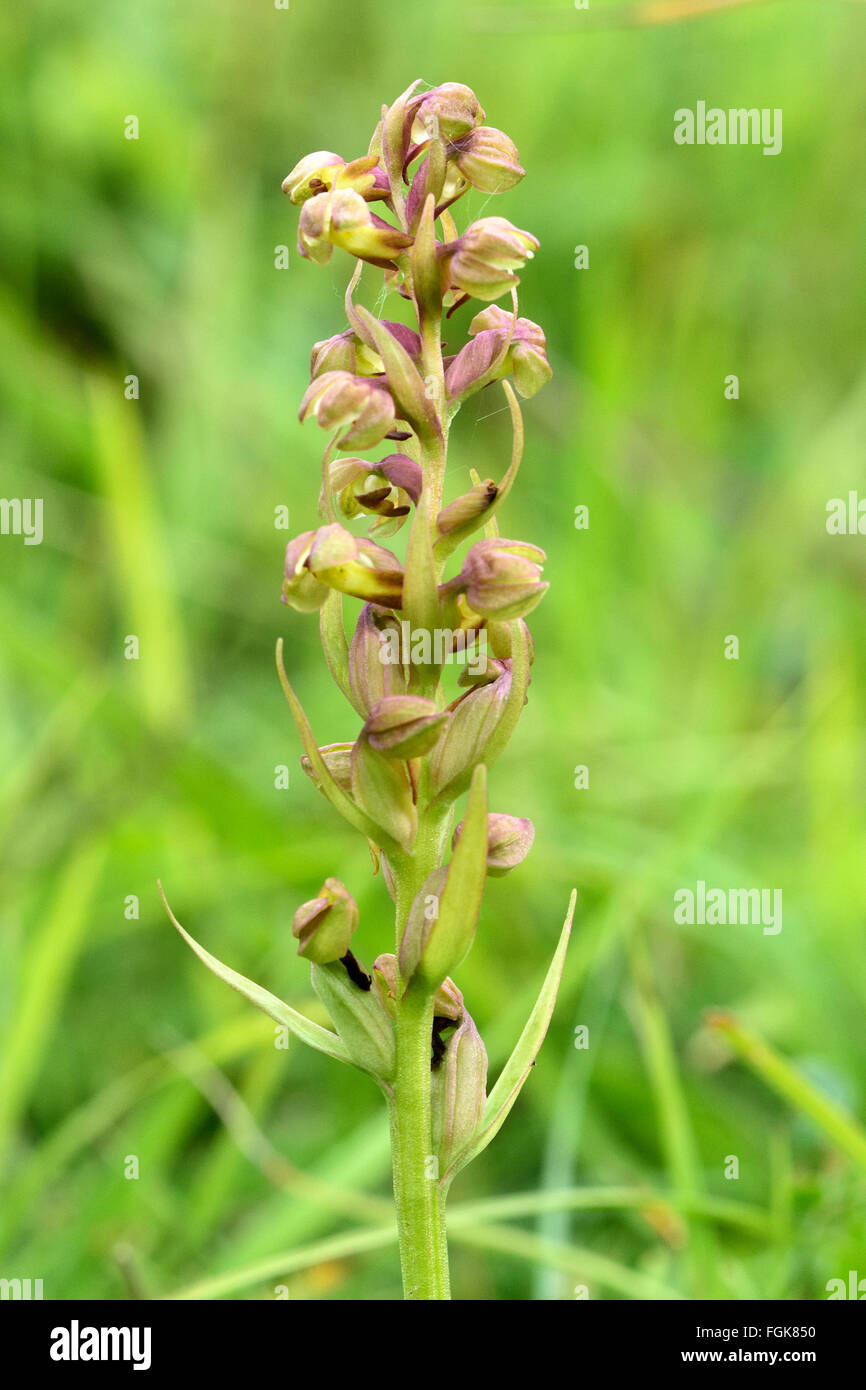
404, 379
382, 787
331, 789
468, 727
519, 1064
335, 646
421, 603
516, 696
425, 270
393, 121
311, 1033
451, 939
360, 1018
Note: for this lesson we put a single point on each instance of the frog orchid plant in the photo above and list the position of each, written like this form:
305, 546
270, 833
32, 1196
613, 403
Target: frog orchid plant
380, 384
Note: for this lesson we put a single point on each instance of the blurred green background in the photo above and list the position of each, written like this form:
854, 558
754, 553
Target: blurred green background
155, 257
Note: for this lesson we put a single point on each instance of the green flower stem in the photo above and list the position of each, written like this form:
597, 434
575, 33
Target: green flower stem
420, 1214
419, 1201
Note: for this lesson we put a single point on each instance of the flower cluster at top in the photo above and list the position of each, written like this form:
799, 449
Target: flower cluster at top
388, 386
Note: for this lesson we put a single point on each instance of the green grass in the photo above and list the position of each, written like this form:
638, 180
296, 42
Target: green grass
156, 257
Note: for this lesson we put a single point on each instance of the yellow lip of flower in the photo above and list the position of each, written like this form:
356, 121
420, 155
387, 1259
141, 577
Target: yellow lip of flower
342, 218
352, 564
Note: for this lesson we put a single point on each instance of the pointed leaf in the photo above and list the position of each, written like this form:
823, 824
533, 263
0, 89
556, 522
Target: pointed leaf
425, 268
394, 139
519, 1064
516, 695
451, 939
322, 1039
335, 645
381, 786
421, 592
404, 379
360, 1016
472, 718
328, 785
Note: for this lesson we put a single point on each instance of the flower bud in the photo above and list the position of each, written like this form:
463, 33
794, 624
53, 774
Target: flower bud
404, 726
335, 354
530, 367
324, 925
482, 262
421, 921
509, 840
360, 407
487, 159
359, 1016
479, 362
342, 218
465, 512
375, 665
347, 352
381, 787
385, 975
301, 590
448, 1002
450, 110
458, 1087
473, 720
337, 758
492, 669
499, 639
502, 579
